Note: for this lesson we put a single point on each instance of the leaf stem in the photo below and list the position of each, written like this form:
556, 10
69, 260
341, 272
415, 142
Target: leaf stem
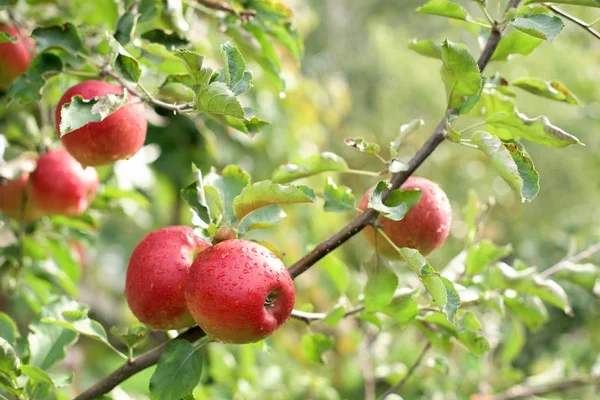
487, 14
477, 125
360, 172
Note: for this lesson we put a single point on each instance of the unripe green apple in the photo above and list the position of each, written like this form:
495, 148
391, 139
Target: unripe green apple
156, 275
239, 292
425, 226
60, 185
12, 195
14, 57
119, 136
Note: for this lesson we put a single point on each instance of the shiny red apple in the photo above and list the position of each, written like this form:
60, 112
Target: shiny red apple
60, 185
425, 226
156, 275
239, 292
119, 136
14, 57
12, 194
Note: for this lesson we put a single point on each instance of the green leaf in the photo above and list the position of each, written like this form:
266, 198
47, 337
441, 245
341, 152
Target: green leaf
529, 282
237, 77
337, 198
473, 341
65, 37
8, 329
265, 193
514, 166
79, 112
51, 272
28, 87
484, 253
177, 372
150, 10
554, 90
586, 3
516, 125
470, 322
403, 308
444, 8
229, 184
371, 318
309, 166
426, 48
584, 275
36, 374
460, 74
169, 40
335, 316
5, 37
195, 196
48, 343
178, 87
540, 26
528, 309
337, 272
381, 284
514, 341
219, 99
405, 131
124, 63
193, 63
262, 218
452, 300
315, 345
362, 145
397, 203
132, 336
515, 43
9, 362
126, 27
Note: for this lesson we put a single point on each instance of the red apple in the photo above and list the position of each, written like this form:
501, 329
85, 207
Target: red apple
14, 57
11, 199
60, 185
119, 136
156, 275
425, 226
239, 292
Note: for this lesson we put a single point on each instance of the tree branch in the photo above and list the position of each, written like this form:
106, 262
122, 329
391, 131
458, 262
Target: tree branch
582, 24
396, 388
368, 217
245, 15
522, 391
309, 317
587, 253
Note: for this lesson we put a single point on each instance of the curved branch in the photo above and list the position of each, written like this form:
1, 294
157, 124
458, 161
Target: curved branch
309, 317
396, 388
584, 25
245, 15
523, 392
368, 217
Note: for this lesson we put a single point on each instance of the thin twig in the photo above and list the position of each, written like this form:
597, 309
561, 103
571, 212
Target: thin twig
150, 99
396, 388
309, 317
584, 25
245, 15
523, 391
587, 253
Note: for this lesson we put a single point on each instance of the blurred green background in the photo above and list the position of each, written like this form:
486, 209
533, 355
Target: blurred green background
358, 78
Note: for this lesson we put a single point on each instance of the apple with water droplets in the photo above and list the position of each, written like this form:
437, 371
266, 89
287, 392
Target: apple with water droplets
156, 275
239, 292
425, 226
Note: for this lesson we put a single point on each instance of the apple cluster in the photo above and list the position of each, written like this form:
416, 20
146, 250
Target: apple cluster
237, 291
63, 181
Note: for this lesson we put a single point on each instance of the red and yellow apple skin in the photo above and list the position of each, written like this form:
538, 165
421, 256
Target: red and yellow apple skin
14, 57
12, 195
425, 226
60, 185
119, 136
239, 292
156, 277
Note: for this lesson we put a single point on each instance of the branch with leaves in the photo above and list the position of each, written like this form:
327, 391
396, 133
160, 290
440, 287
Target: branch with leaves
582, 24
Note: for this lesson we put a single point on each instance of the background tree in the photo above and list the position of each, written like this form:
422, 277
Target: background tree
507, 308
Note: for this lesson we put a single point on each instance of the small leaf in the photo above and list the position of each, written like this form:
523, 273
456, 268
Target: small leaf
539, 130
193, 63
337, 198
470, 322
426, 48
381, 284
362, 145
132, 336
8, 329
540, 26
169, 40
371, 318
9, 362
5, 37
554, 90
126, 28
195, 196
124, 63
150, 10
315, 345
584, 275
236, 76
397, 203
403, 308
65, 37
452, 300
36, 374
262, 218
514, 166
79, 112
217, 98
528, 309
460, 74
444, 8
177, 372
230, 184
337, 272
484, 253
309, 166
515, 43
405, 131
514, 341
265, 193
335, 316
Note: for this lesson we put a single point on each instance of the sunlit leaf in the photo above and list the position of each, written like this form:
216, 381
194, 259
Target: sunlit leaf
309, 166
